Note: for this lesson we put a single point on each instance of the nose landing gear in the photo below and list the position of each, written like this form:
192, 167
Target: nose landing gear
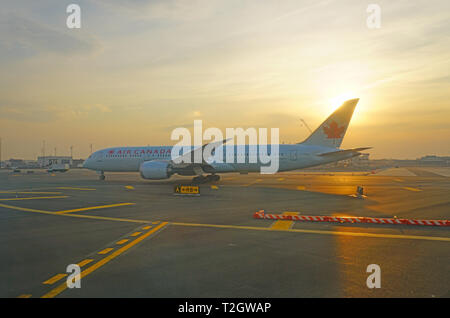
101, 175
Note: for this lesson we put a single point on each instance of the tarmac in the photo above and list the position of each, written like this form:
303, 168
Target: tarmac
135, 238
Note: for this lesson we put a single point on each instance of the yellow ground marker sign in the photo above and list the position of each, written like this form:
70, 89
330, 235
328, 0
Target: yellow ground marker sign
186, 189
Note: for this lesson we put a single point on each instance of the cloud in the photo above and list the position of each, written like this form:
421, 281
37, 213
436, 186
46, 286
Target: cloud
23, 37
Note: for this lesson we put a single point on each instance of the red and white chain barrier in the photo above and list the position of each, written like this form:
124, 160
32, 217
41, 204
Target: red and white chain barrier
261, 215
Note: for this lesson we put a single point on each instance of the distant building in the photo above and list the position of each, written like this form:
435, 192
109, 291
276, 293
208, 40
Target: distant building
54, 160
15, 163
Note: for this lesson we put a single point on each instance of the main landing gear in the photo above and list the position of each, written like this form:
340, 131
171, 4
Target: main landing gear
205, 179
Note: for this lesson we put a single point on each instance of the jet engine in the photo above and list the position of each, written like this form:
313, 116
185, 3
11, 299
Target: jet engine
155, 170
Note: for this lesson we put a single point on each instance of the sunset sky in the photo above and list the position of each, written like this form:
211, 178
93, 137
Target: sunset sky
138, 69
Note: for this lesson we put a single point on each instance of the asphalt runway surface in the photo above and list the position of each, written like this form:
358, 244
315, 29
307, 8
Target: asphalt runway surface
135, 238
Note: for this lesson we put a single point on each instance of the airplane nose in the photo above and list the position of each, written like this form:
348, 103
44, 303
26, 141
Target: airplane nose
86, 164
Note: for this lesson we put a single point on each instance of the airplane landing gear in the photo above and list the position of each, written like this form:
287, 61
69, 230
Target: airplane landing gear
101, 175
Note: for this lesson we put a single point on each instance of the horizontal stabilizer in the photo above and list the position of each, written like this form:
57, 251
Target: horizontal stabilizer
341, 152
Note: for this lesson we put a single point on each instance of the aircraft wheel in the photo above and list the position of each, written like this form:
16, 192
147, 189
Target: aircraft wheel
102, 177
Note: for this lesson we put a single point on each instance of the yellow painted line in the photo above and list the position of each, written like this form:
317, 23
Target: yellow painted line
122, 241
24, 209
157, 222
129, 187
76, 215
147, 227
85, 262
214, 187
283, 224
251, 183
24, 296
280, 179
34, 198
81, 189
54, 279
301, 188
136, 233
29, 192
105, 251
94, 208
357, 234
398, 180
56, 291
412, 189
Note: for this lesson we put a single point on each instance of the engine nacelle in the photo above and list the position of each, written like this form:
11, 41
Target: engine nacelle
155, 170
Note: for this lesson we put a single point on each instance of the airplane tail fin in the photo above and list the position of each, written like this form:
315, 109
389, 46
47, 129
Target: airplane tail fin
332, 131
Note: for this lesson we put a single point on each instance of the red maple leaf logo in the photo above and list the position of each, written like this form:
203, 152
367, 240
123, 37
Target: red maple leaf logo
333, 131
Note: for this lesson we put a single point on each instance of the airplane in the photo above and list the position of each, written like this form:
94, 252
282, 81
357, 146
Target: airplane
155, 162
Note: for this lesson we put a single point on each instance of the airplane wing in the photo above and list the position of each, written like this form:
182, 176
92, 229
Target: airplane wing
188, 159
343, 152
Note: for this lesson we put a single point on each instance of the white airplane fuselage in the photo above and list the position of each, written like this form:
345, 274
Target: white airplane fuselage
321, 147
291, 157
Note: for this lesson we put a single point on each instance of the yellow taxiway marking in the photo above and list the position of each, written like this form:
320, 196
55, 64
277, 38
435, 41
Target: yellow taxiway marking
81, 189
283, 224
56, 291
251, 183
54, 279
129, 187
85, 262
280, 179
24, 209
34, 198
147, 227
94, 208
412, 189
29, 192
360, 234
24, 296
301, 188
76, 215
214, 187
122, 241
105, 251
136, 233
